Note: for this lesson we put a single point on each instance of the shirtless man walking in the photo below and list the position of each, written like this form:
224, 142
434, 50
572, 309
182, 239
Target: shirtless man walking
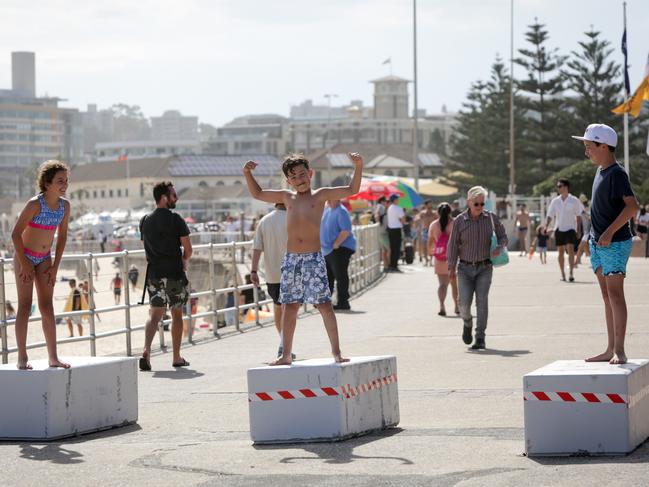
522, 228
304, 273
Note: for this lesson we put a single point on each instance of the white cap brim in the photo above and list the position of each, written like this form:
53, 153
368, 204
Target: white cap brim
580, 138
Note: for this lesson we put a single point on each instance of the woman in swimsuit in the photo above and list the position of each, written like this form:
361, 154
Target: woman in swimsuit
32, 237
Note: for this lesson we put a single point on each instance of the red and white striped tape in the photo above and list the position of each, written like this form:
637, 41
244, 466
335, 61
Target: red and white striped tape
589, 397
347, 392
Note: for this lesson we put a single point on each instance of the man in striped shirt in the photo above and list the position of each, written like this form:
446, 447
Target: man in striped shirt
470, 244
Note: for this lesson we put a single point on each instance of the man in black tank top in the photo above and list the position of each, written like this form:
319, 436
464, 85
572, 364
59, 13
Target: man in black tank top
164, 233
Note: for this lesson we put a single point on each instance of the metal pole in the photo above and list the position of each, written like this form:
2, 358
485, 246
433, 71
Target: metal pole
215, 306
127, 303
325, 139
190, 318
236, 285
415, 132
92, 307
512, 170
3, 315
626, 115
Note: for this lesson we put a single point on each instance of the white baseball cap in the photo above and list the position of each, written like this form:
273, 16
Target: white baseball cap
600, 133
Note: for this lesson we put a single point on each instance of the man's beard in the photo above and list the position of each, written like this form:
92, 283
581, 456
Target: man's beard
171, 205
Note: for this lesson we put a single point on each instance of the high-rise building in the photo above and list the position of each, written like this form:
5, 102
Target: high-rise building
23, 74
172, 125
33, 130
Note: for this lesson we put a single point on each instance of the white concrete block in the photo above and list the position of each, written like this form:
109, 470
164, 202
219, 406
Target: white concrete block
576, 407
319, 399
47, 403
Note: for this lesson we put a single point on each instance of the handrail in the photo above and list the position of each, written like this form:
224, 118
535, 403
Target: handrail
364, 269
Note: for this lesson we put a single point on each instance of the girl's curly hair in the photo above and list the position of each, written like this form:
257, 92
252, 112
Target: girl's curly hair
47, 171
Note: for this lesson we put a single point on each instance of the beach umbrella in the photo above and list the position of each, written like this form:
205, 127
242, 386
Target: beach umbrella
372, 190
410, 198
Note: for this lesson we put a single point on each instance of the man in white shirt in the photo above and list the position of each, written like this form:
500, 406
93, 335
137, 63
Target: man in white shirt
271, 238
396, 217
566, 210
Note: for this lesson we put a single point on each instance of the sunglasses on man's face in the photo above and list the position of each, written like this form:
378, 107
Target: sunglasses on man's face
476, 204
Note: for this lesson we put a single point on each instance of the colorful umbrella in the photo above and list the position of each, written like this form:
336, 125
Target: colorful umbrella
372, 190
410, 197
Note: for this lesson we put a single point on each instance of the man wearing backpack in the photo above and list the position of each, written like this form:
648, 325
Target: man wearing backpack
438, 236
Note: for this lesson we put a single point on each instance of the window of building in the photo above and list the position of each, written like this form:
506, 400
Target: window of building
220, 183
402, 173
94, 193
388, 172
110, 193
103, 193
119, 193
126, 192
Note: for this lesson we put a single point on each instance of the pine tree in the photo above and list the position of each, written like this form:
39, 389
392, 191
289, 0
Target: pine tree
481, 143
543, 100
591, 76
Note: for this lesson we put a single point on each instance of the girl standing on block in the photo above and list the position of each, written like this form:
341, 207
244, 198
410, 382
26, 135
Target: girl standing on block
32, 237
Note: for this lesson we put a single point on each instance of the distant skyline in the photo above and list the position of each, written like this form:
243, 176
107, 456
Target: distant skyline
221, 59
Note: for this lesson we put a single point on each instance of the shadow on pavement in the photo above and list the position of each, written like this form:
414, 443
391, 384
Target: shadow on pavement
53, 453
337, 452
178, 374
639, 455
502, 353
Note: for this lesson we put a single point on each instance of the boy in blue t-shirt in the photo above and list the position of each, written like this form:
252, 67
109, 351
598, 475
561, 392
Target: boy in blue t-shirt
613, 204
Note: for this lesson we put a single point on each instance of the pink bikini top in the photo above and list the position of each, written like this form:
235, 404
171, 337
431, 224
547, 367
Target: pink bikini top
47, 219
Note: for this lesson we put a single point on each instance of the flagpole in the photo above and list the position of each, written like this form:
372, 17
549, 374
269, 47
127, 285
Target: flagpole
626, 97
128, 182
512, 170
415, 132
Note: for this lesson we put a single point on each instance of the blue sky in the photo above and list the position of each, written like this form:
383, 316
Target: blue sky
218, 59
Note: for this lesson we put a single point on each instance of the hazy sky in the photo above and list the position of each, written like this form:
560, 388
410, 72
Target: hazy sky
222, 58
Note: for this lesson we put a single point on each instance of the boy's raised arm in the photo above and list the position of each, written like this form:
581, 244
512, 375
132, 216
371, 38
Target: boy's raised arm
267, 195
341, 192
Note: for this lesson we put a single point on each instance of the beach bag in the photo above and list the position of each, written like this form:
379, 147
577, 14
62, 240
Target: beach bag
502, 258
441, 247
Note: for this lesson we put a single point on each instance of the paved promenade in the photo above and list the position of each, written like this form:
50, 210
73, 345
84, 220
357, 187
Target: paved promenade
461, 411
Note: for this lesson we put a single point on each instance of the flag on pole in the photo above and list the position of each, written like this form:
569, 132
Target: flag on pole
633, 104
123, 157
387, 61
627, 83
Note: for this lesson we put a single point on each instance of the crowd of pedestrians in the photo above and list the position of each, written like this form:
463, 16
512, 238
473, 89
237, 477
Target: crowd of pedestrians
307, 243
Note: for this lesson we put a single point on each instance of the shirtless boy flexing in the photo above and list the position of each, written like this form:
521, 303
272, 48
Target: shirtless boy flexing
304, 274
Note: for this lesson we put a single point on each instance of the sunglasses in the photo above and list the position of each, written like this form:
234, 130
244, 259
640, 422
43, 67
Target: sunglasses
559, 185
478, 204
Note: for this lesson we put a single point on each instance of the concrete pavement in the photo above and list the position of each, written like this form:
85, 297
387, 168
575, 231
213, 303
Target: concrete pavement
461, 411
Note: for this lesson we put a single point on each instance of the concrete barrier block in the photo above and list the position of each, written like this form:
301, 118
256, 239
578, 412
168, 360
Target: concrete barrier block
320, 400
575, 407
46, 403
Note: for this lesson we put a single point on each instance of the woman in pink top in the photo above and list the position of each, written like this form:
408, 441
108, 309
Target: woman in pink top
438, 236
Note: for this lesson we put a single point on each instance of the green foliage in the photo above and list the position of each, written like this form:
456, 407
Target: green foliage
543, 99
592, 78
580, 175
556, 97
481, 142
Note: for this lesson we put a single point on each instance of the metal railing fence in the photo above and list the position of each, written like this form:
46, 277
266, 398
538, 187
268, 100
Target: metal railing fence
233, 256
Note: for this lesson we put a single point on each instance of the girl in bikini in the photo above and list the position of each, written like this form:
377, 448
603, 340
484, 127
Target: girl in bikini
32, 237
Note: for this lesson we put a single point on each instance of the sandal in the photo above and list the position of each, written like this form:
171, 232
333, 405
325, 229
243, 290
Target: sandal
145, 365
182, 363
